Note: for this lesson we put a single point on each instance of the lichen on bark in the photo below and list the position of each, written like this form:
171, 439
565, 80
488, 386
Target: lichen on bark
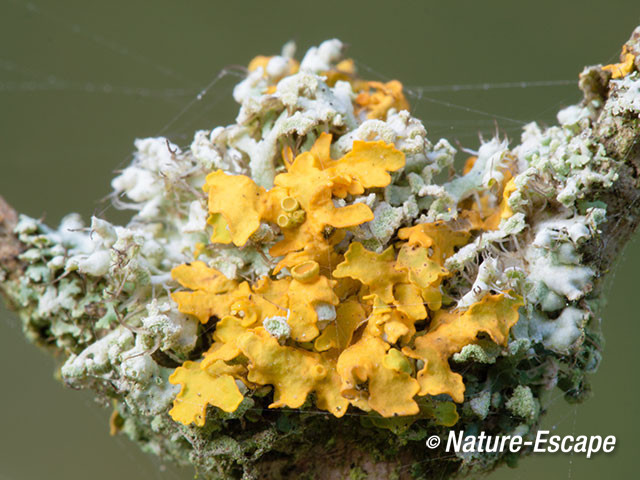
543, 221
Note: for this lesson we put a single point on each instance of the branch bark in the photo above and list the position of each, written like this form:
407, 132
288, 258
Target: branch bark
617, 130
619, 133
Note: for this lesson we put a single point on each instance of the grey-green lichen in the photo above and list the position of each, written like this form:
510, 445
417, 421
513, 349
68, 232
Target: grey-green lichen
100, 294
523, 403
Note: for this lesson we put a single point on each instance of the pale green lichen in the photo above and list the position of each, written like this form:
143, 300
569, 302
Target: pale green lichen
100, 294
477, 353
481, 404
278, 327
523, 403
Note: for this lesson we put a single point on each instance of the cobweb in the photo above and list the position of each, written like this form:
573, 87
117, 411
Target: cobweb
460, 112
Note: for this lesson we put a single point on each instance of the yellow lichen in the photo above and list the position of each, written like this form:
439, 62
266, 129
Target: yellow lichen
306, 272
625, 67
207, 282
422, 271
368, 374
377, 271
344, 70
313, 179
484, 213
505, 208
450, 331
390, 389
293, 372
406, 282
378, 98
242, 216
261, 61
301, 203
349, 315
383, 339
468, 164
214, 386
409, 302
221, 233
303, 297
214, 295
438, 237
391, 323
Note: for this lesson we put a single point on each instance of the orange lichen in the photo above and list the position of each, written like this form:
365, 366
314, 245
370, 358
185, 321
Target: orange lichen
261, 61
468, 164
237, 206
312, 184
383, 337
390, 389
438, 237
349, 315
344, 70
392, 323
303, 297
624, 67
243, 215
369, 374
221, 233
377, 271
228, 329
215, 295
505, 208
484, 212
293, 372
422, 271
208, 284
450, 331
214, 386
408, 282
378, 98
197, 275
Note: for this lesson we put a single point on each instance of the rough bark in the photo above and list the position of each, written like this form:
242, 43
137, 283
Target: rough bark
620, 135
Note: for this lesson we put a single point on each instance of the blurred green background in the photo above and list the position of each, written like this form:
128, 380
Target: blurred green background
80, 80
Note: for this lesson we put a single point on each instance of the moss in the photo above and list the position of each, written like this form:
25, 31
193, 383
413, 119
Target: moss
357, 473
